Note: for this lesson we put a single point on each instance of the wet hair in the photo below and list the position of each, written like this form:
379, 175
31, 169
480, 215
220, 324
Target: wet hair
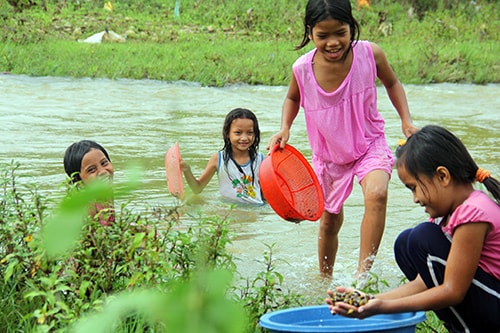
74, 155
435, 146
253, 150
321, 10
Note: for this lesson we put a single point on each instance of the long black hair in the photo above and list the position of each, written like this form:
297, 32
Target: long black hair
320, 10
253, 150
434, 146
74, 155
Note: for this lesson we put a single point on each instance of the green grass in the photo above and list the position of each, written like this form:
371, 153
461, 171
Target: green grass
223, 42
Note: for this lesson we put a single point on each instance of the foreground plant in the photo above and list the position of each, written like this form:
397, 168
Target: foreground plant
143, 272
58, 264
264, 293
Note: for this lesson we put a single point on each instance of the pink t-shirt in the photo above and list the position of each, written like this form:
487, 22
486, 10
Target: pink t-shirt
341, 124
479, 207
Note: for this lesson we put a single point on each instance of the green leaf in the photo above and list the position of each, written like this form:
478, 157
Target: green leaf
10, 269
34, 294
138, 240
62, 287
84, 286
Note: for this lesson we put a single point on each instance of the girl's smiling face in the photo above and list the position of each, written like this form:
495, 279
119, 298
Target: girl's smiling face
428, 192
95, 164
241, 134
332, 39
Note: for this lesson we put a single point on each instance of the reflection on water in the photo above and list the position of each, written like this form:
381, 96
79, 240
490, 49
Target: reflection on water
138, 120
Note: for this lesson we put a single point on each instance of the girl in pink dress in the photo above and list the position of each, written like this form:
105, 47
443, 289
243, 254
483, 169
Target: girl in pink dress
335, 85
453, 260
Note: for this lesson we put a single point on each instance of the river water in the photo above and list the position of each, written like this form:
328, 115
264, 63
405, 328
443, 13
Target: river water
138, 120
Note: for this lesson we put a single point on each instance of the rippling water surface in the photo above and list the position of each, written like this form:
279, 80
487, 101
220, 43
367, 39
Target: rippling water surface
138, 120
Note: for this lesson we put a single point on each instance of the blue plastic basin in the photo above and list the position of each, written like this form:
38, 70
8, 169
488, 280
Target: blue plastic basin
318, 319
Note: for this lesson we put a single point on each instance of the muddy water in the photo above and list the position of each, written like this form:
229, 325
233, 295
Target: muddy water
138, 120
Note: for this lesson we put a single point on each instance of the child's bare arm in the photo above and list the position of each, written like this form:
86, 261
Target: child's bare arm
197, 185
394, 89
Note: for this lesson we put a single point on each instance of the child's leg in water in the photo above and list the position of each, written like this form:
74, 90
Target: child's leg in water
373, 170
375, 186
328, 241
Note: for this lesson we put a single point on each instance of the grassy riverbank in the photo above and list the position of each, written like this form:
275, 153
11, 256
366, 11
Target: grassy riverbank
218, 42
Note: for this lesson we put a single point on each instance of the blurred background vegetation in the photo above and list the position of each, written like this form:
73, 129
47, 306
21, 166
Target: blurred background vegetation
222, 42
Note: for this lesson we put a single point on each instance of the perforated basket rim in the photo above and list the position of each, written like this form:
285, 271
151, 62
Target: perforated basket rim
311, 173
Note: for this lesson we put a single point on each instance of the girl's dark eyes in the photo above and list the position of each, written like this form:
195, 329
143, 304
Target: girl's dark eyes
411, 187
91, 170
240, 133
338, 33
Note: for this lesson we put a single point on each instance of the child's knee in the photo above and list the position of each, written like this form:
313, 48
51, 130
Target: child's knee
377, 195
401, 242
331, 223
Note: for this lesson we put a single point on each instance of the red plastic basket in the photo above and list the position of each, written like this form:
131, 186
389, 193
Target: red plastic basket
290, 185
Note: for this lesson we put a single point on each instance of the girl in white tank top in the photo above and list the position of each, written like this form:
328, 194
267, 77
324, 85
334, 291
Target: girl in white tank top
237, 163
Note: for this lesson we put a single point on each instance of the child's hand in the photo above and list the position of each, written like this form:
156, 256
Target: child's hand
184, 166
409, 130
281, 137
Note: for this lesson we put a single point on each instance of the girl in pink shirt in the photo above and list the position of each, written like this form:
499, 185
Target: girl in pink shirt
335, 85
452, 261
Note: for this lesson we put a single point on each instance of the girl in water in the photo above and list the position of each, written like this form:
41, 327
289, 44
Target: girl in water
85, 161
237, 163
